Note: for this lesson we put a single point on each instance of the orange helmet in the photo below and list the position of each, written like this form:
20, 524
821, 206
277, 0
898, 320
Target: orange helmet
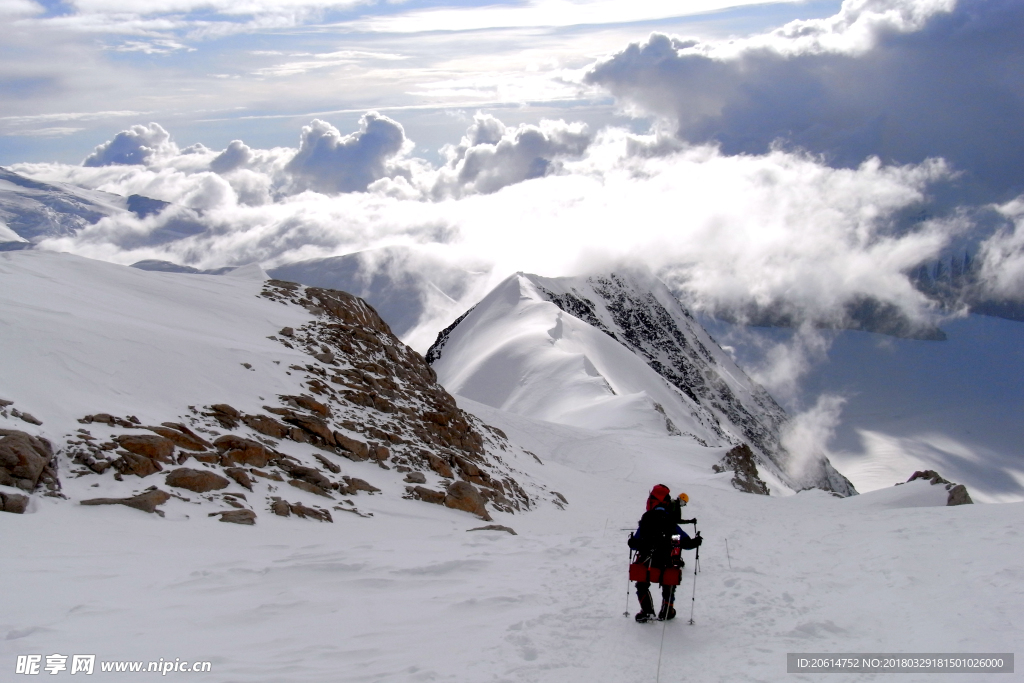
683, 498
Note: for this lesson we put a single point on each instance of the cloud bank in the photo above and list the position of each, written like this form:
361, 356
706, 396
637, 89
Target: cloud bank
903, 80
805, 171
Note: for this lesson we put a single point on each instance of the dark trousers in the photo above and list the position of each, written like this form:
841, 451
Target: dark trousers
643, 594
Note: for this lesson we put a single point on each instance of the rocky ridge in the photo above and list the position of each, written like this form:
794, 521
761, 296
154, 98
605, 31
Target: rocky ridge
370, 404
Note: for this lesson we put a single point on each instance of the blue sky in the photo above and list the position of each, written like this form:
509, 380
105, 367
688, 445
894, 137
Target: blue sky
74, 73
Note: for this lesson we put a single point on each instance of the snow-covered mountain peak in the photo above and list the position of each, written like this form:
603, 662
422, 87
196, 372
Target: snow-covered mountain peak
613, 352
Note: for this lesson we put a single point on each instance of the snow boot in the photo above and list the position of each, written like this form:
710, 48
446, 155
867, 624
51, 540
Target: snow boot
667, 614
644, 617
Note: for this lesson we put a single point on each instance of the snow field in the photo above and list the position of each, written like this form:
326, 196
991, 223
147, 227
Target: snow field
409, 595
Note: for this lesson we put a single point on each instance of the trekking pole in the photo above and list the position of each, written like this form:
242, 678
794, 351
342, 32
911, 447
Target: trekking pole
693, 596
626, 613
657, 676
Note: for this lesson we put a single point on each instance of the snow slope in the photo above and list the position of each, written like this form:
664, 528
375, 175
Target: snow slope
415, 597
615, 352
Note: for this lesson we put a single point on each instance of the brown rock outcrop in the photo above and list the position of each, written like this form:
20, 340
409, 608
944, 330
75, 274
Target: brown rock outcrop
354, 484
199, 481
13, 502
352, 449
235, 450
240, 476
425, 494
311, 488
139, 465
285, 509
181, 436
146, 501
154, 447
23, 458
266, 425
246, 517
226, 415
741, 461
462, 495
958, 494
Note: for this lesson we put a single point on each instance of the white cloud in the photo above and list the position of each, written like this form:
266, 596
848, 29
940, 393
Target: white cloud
541, 13
807, 434
1002, 254
19, 8
137, 145
780, 229
492, 156
329, 162
903, 80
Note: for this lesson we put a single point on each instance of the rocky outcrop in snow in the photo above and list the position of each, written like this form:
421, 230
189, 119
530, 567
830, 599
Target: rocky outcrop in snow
958, 494
329, 399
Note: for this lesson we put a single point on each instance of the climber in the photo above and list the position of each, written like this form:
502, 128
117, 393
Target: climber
656, 545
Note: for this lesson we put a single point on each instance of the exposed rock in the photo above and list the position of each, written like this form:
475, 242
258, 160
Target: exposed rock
13, 502
224, 414
107, 419
156, 448
327, 463
494, 527
440, 466
266, 425
26, 417
182, 436
309, 404
236, 450
958, 494
23, 458
285, 509
139, 465
309, 474
462, 495
352, 449
266, 475
381, 453
354, 484
311, 488
741, 461
313, 425
247, 517
146, 501
415, 478
199, 481
240, 476
425, 494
